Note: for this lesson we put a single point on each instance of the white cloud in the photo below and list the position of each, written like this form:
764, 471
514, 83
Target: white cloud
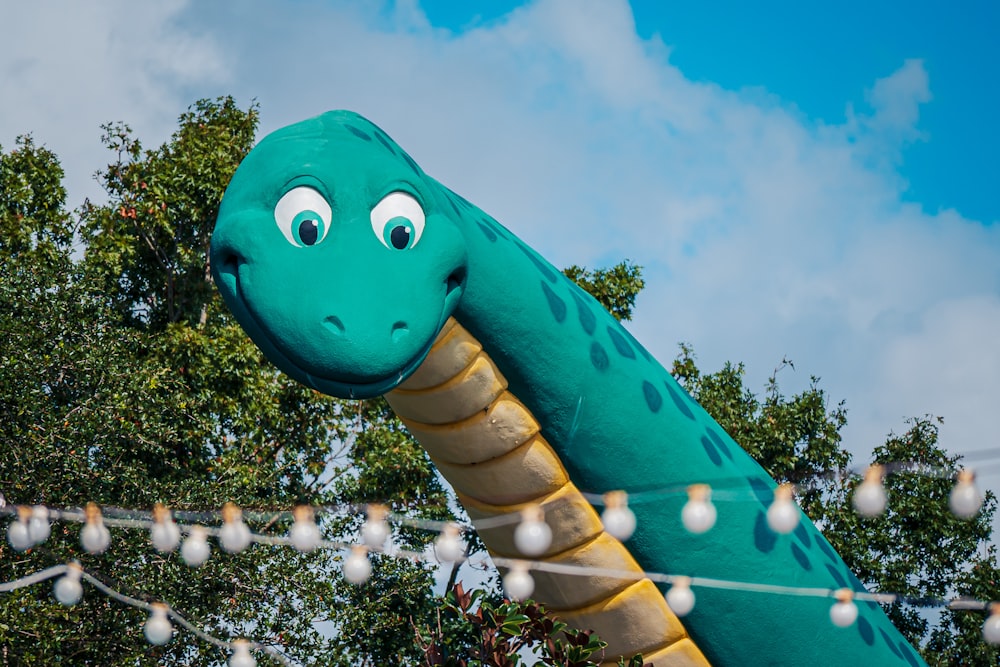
763, 234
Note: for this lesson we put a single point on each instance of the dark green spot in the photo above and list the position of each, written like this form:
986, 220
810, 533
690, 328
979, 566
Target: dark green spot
556, 305
454, 206
764, 493
539, 264
385, 142
488, 232
763, 537
643, 351
837, 576
358, 133
712, 452
587, 319
802, 533
720, 442
598, 357
866, 630
653, 398
801, 557
413, 165
621, 344
678, 400
827, 550
908, 654
888, 642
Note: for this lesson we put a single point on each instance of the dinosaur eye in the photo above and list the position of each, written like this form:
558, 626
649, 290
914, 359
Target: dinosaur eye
398, 221
303, 216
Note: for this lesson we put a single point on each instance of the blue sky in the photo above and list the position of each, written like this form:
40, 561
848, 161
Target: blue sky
816, 185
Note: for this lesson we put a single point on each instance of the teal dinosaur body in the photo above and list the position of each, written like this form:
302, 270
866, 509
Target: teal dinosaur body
343, 261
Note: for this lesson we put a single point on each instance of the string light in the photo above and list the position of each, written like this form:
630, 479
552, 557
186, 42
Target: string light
304, 533
357, 567
783, 514
699, 514
375, 530
195, 550
38, 525
68, 589
165, 535
241, 655
94, 536
19, 532
518, 582
157, 629
844, 612
991, 627
680, 597
870, 499
234, 536
448, 546
532, 536
618, 520
965, 499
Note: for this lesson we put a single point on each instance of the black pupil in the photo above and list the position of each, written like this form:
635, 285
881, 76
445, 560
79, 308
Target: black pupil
308, 231
400, 237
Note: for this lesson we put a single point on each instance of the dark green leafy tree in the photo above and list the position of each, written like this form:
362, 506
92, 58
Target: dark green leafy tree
123, 380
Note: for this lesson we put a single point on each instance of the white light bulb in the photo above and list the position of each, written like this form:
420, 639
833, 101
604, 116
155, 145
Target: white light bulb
241, 655
991, 628
195, 550
844, 612
68, 589
157, 629
375, 530
965, 499
19, 530
234, 536
38, 525
618, 519
304, 533
448, 546
357, 567
870, 499
532, 536
699, 514
680, 597
783, 514
164, 534
518, 583
94, 536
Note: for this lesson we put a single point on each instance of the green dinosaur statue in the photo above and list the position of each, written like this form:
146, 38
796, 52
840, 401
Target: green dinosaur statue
359, 275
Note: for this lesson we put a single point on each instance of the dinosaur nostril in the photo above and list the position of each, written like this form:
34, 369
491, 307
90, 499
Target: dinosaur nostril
399, 331
334, 325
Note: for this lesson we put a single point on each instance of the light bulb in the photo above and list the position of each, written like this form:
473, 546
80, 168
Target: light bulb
991, 628
158, 630
375, 531
234, 536
241, 655
965, 499
304, 533
195, 550
698, 515
164, 534
783, 514
618, 519
518, 582
94, 536
357, 567
680, 597
38, 525
532, 536
844, 612
869, 498
68, 589
19, 530
448, 546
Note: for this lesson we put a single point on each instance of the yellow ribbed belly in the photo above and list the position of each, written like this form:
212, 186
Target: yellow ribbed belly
488, 445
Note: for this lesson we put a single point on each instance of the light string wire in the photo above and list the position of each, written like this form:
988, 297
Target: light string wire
139, 519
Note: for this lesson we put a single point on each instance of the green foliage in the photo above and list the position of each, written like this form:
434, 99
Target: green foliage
615, 288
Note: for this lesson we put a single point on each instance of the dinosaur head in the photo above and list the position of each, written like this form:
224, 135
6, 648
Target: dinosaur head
333, 253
